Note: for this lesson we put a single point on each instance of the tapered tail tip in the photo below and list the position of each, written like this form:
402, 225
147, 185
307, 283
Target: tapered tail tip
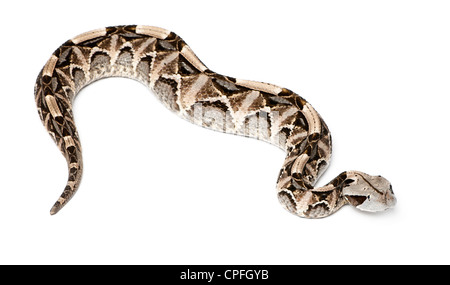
57, 206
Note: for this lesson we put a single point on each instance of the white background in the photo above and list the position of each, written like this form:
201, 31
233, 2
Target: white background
159, 190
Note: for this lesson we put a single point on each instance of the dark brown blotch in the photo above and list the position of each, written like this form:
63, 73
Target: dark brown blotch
92, 42
209, 72
71, 149
171, 37
313, 137
273, 101
299, 101
339, 180
322, 165
301, 121
285, 92
311, 150
130, 28
318, 210
172, 83
226, 86
127, 32
112, 30
216, 104
321, 196
185, 67
356, 200
46, 79
164, 45
64, 56
66, 131
286, 131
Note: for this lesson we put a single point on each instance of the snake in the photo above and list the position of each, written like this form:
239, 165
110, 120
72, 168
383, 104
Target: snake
162, 61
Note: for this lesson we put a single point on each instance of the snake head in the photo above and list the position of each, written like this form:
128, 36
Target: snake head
368, 193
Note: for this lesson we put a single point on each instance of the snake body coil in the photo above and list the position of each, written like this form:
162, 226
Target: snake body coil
164, 62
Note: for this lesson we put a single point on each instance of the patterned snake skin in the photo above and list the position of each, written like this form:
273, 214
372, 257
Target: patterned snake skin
164, 62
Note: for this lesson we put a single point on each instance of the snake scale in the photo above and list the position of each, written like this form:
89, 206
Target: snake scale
166, 64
